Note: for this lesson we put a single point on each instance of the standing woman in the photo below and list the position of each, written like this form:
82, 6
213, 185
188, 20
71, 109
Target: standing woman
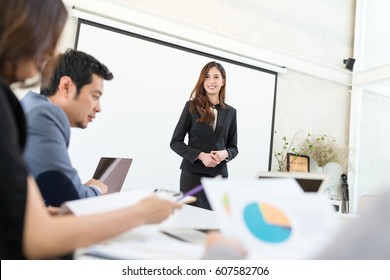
29, 30
211, 126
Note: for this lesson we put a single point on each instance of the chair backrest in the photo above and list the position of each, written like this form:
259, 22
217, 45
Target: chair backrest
365, 202
56, 188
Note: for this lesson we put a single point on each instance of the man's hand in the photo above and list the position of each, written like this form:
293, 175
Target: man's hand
98, 184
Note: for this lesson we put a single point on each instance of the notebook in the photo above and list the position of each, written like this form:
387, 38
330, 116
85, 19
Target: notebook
112, 172
309, 182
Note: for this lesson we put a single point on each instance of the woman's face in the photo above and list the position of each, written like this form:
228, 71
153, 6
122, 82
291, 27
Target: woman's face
213, 82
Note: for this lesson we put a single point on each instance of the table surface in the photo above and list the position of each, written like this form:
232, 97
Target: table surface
186, 224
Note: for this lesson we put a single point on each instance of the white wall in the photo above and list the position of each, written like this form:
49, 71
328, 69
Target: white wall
374, 142
370, 99
316, 30
376, 45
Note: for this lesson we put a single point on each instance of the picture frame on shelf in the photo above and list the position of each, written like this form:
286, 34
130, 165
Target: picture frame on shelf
298, 163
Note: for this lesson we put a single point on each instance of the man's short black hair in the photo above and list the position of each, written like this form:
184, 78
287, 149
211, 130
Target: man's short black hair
78, 65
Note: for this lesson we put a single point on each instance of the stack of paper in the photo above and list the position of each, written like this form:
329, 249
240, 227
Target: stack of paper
144, 243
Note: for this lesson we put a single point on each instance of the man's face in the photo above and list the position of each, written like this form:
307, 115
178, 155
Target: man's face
82, 109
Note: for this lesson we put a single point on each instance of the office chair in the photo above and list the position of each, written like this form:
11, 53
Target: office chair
56, 188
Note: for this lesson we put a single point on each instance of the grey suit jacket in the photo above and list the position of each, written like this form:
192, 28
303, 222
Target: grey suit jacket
46, 153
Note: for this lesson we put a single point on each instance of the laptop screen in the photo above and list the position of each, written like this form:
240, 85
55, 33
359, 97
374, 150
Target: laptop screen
309, 182
112, 172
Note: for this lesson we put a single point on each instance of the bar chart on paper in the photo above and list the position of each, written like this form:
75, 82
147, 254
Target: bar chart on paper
266, 222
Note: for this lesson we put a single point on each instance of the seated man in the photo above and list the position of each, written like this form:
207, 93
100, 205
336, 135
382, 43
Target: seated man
72, 84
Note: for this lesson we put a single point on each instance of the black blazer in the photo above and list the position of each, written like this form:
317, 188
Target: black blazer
202, 138
13, 175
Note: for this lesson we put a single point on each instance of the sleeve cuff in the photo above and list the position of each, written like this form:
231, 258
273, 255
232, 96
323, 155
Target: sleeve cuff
97, 190
228, 157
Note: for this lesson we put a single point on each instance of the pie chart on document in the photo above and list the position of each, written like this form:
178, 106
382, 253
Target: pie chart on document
266, 222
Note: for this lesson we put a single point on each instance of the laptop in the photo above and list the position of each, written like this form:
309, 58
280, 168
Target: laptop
112, 172
309, 182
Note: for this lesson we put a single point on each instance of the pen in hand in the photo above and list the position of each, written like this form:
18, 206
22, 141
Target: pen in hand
191, 192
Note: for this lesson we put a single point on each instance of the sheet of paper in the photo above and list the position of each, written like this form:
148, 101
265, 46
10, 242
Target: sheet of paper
218, 194
109, 202
272, 219
192, 217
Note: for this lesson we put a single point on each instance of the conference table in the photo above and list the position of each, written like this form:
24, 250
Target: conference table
181, 236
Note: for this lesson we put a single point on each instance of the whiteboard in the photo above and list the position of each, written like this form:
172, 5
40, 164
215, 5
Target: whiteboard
142, 104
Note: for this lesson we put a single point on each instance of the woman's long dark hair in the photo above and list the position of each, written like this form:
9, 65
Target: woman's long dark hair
200, 101
29, 29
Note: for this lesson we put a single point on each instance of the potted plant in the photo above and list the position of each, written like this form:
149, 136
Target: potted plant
322, 149
295, 147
